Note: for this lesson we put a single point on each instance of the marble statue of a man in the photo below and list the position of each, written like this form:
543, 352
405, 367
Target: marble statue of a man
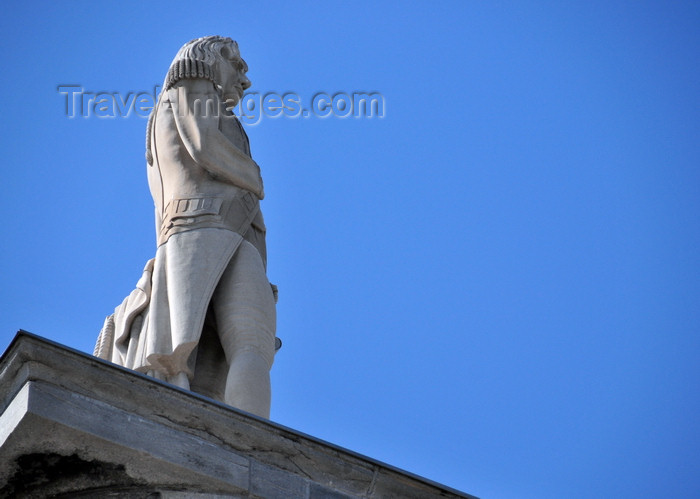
203, 315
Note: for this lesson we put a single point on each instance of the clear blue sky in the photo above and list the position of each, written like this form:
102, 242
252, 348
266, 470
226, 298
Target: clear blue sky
495, 286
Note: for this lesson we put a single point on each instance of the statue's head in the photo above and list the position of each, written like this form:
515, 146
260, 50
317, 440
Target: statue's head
216, 58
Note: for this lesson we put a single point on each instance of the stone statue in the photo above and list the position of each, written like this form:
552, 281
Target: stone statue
202, 317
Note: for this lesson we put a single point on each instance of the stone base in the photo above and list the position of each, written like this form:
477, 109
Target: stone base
72, 425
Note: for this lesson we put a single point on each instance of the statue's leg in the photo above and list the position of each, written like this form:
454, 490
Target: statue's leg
245, 316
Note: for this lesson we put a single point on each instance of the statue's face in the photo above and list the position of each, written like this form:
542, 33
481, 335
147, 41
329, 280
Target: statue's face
232, 71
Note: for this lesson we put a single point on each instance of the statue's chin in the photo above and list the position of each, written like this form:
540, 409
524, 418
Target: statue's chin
231, 100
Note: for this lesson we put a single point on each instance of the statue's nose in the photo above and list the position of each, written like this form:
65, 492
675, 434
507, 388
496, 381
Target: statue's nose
246, 83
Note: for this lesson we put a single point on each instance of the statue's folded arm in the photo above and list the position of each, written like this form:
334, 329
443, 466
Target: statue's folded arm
198, 127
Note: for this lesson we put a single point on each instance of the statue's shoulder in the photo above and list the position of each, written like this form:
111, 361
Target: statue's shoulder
192, 87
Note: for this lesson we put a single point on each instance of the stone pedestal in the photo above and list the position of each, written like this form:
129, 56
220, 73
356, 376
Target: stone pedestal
72, 425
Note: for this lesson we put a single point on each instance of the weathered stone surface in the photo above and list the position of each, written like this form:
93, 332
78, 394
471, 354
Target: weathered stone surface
74, 425
273, 483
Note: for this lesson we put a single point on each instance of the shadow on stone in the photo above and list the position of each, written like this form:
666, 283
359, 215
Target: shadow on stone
44, 475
